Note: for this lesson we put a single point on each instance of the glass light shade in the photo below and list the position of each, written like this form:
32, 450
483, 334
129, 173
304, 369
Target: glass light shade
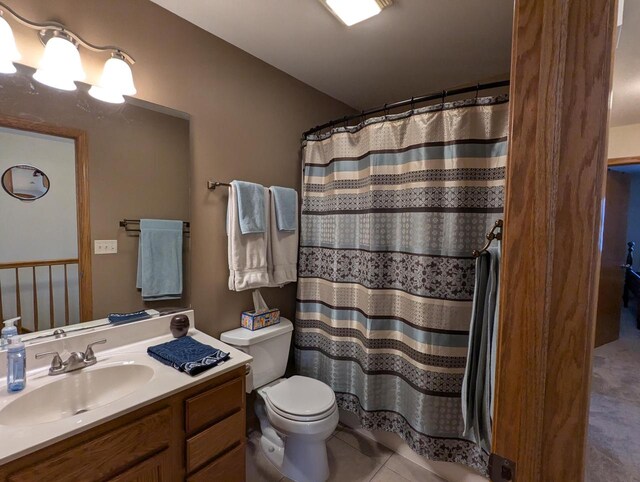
8, 50
116, 80
354, 11
7, 67
60, 65
106, 95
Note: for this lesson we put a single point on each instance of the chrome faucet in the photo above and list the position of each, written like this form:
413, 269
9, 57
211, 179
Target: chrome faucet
76, 361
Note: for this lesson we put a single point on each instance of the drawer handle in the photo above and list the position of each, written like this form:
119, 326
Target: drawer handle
247, 370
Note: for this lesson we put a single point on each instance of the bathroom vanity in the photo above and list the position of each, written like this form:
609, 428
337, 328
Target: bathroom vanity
127, 418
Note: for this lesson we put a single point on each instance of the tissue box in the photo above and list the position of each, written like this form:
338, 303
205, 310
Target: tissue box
254, 321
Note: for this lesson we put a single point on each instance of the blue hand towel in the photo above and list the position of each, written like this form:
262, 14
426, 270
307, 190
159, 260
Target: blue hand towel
122, 318
160, 259
286, 202
251, 209
187, 355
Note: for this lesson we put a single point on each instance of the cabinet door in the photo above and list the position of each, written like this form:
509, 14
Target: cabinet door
103, 456
150, 470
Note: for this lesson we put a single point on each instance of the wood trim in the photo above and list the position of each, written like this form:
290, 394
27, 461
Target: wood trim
37, 264
623, 161
82, 200
84, 227
560, 84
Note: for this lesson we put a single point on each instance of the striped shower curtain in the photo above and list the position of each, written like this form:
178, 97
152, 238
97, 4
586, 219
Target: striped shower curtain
392, 210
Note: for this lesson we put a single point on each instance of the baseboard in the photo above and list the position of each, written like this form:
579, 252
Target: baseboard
449, 471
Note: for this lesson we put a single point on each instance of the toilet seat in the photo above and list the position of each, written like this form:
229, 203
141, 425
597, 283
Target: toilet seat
301, 399
301, 418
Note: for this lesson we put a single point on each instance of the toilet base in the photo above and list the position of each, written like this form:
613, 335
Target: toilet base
301, 457
305, 461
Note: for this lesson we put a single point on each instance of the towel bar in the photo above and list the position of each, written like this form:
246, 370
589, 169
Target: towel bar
491, 235
212, 185
125, 223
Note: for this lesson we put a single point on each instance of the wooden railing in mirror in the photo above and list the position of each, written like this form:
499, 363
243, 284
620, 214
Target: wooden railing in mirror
44, 294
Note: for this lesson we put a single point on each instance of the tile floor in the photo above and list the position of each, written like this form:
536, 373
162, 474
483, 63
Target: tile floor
352, 458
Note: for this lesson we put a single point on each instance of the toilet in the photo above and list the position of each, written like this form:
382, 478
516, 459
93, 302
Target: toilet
297, 415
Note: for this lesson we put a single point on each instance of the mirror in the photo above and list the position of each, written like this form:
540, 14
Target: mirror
25, 182
39, 244
72, 169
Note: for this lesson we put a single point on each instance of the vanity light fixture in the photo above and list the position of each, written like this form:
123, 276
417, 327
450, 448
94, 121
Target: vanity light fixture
8, 50
351, 12
61, 65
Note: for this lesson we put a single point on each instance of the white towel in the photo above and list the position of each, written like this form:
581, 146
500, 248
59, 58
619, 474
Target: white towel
248, 255
283, 249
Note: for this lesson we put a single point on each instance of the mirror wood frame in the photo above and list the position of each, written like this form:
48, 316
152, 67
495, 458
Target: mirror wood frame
82, 201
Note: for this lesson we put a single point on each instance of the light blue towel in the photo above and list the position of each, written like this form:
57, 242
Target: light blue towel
251, 209
160, 259
286, 202
479, 377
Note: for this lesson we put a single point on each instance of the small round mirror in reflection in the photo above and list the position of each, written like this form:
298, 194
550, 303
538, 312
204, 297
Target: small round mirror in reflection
25, 182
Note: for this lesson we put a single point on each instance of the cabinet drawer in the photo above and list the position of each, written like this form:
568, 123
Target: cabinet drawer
103, 456
213, 405
211, 442
228, 468
150, 470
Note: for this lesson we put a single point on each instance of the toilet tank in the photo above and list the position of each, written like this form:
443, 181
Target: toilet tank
269, 348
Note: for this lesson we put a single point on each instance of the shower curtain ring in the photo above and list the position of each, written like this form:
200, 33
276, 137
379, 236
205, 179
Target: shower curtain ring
386, 110
413, 104
444, 96
362, 117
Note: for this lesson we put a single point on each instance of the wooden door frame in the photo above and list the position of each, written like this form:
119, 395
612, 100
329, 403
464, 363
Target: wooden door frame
82, 200
560, 85
623, 161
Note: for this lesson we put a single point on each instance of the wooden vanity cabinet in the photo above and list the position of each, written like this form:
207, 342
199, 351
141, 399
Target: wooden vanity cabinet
195, 435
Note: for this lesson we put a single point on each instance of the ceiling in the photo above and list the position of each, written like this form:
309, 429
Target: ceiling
626, 70
412, 48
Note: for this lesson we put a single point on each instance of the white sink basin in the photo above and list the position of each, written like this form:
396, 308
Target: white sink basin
75, 393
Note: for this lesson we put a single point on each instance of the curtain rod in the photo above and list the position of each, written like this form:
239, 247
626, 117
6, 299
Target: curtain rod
443, 94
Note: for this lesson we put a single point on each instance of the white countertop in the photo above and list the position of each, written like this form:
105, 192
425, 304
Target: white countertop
19, 440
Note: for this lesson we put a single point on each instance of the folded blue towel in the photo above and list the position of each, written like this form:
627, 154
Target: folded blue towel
286, 204
122, 318
251, 209
160, 259
187, 355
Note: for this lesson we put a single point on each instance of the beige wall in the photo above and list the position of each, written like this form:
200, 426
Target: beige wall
624, 141
246, 121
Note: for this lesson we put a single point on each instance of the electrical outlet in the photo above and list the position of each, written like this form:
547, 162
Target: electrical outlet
105, 246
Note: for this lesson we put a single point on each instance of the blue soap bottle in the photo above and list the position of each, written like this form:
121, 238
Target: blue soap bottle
16, 365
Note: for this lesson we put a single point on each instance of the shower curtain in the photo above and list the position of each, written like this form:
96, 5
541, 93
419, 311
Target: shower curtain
391, 211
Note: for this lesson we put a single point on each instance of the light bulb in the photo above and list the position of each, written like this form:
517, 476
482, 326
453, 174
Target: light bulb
8, 51
60, 66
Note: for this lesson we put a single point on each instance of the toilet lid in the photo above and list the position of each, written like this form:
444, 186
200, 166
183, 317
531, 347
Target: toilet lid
301, 396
